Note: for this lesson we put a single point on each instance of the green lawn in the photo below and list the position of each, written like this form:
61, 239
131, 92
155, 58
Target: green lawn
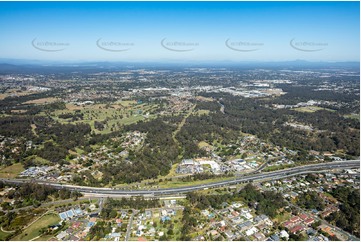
33, 231
3, 235
11, 171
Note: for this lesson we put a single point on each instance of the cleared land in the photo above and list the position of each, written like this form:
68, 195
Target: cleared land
113, 115
203, 144
202, 111
353, 116
15, 92
11, 171
33, 230
44, 238
311, 109
42, 100
178, 183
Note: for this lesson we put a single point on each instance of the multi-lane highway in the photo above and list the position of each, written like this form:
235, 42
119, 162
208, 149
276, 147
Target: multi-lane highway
246, 178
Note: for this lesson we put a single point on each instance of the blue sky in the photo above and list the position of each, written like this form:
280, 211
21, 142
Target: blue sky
191, 31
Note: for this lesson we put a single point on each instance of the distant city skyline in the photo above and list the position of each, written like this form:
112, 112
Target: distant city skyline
180, 31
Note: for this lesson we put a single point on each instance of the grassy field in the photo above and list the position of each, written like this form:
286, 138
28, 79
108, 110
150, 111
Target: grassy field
311, 109
279, 167
18, 111
282, 217
126, 103
176, 183
11, 171
44, 238
172, 173
39, 160
15, 91
116, 114
3, 235
203, 144
42, 100
33, 230
202, 111
204, 99
353, 116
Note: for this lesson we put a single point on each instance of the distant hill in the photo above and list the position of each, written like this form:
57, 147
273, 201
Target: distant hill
8, 66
